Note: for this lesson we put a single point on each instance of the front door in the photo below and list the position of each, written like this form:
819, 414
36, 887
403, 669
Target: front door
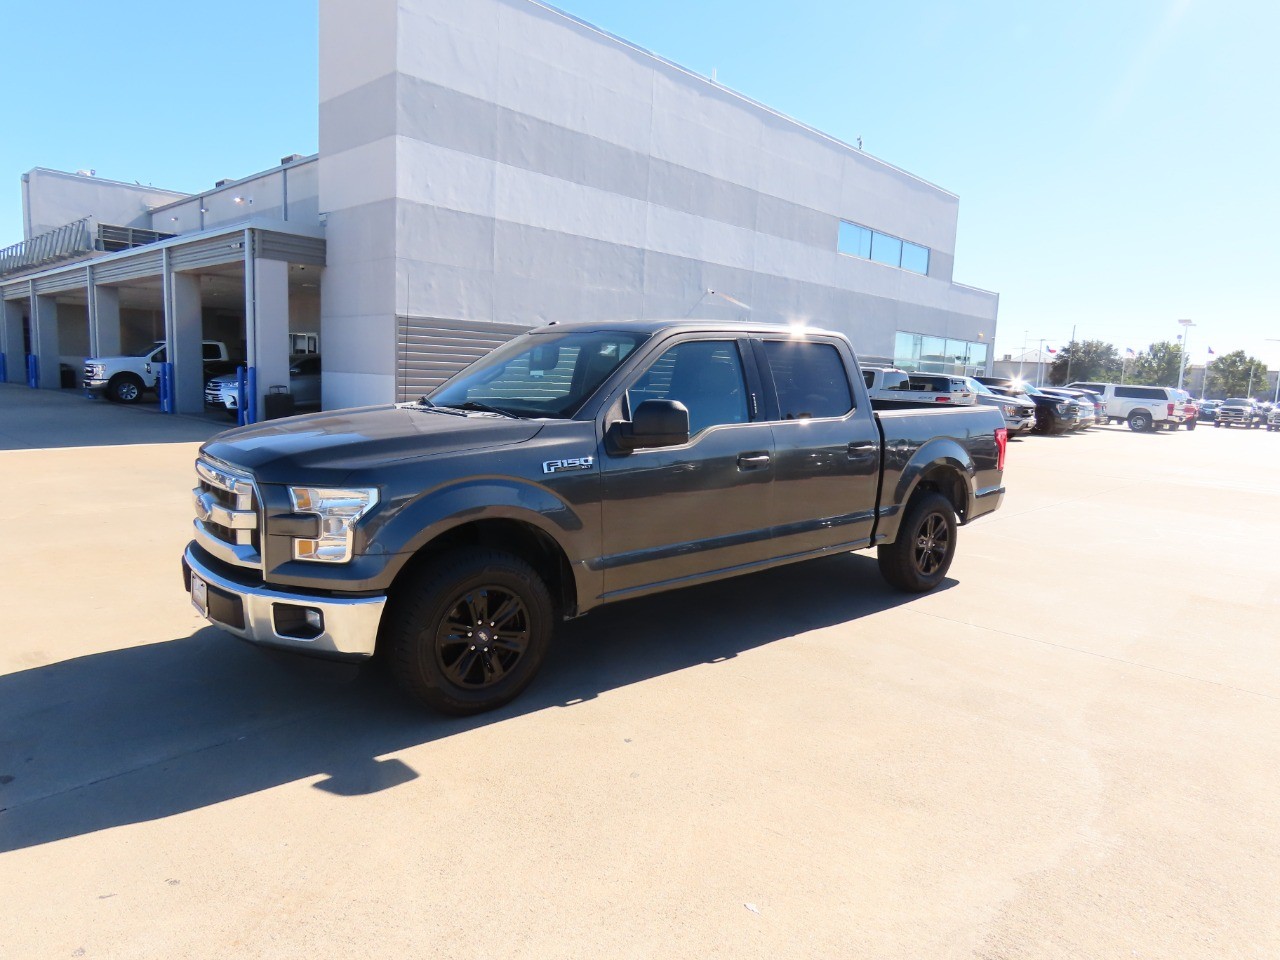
677, 513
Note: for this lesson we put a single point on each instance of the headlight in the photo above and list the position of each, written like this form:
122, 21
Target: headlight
338, 510
1060, 407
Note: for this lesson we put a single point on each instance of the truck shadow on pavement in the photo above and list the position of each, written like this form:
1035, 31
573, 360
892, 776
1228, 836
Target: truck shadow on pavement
138, 734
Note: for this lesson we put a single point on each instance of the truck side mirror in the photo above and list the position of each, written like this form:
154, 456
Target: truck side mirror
655, 423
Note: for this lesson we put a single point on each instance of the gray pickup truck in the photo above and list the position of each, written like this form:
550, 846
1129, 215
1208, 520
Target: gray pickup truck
576, 465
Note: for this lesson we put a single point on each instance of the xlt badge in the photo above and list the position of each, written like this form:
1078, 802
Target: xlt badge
564, 466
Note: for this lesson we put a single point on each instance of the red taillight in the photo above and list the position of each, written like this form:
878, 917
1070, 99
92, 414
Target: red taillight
1171, 409
1002, 444
942, 399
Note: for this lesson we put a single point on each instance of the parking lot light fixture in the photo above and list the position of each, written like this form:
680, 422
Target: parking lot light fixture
1276, 399
1182, 358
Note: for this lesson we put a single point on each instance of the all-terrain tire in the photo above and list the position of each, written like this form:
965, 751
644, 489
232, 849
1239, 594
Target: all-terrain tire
919, 558
468, 631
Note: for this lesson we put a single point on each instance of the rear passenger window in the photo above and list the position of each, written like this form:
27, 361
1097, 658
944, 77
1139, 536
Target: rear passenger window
810, 379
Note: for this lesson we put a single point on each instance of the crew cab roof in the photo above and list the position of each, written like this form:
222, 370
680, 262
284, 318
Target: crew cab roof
651, 327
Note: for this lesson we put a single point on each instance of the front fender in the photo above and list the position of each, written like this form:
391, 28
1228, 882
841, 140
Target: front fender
406, 530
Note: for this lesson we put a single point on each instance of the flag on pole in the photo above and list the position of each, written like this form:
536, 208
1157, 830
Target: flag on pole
1050, 349
1211, 351
1128, 352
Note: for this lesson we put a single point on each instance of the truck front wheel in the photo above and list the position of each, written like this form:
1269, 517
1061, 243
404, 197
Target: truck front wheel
125, 388
469, 630
921, 555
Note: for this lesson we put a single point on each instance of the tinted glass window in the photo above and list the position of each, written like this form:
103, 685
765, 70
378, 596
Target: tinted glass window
854, 240
810, 378
885, 249
915, 257
540, 376
211, 352
161, 357
704, 375
1140, 393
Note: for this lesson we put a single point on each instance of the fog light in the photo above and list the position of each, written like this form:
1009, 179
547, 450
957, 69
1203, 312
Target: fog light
297, 623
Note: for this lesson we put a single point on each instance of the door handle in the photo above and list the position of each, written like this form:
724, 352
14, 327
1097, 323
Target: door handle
858, 449
753, 461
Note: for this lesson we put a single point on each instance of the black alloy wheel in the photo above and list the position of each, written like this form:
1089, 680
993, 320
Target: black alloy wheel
920, 556
483, 637
467, 631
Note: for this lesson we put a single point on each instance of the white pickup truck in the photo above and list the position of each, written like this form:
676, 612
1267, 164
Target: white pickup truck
890, 383
126, 379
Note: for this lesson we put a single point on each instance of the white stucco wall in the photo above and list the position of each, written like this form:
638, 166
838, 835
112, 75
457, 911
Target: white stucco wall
498, 161
52, 198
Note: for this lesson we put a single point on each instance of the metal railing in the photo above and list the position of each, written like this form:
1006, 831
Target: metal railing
71, 240
74, 240
112, 239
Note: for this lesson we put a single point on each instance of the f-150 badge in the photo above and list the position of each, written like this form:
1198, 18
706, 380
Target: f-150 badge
564, 466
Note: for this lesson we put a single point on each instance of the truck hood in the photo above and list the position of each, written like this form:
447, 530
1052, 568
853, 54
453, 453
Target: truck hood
327, 448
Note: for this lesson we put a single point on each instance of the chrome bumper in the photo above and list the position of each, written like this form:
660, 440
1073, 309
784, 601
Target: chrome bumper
350, 626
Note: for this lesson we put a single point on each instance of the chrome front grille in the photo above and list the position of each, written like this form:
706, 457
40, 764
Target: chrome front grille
228, 513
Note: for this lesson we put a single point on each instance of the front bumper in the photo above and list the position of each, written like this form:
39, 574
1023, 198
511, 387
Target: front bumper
94, 388
272, 618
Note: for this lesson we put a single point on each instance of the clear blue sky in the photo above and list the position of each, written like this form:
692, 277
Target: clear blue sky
1116, 162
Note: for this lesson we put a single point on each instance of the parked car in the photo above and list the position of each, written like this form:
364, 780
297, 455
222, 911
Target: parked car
1189, 408
1019, 414
576, 465
1208, 410
1236, 412
1144, 408
1089, 412
222, 393
125, 379
1273, 419
890, 383
1054, 415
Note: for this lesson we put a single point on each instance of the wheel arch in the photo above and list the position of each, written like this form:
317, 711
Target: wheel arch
518, 536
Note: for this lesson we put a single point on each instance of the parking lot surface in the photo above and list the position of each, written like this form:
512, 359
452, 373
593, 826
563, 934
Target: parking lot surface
1073, 750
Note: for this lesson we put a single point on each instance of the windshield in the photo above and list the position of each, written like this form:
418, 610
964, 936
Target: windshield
146, 351
539, 375
977, 387
1238, 401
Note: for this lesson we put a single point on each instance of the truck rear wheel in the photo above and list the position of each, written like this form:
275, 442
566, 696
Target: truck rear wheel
1140, 421
125, 388
921, 555
468, 632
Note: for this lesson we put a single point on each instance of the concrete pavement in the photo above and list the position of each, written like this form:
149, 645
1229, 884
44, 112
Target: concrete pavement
1071, 751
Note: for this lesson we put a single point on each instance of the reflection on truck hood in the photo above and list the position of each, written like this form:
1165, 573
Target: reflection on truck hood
326, 447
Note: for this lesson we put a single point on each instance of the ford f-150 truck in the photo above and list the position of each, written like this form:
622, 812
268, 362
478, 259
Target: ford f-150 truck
573, 466
125, 379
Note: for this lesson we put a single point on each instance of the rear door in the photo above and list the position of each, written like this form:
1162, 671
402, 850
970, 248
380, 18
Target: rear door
676, 513
827, 449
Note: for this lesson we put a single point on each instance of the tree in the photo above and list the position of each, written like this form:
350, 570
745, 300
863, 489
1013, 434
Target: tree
1158, 365
1229, 374
1085, 360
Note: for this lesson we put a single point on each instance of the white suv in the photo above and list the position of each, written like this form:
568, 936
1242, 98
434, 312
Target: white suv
1143, 408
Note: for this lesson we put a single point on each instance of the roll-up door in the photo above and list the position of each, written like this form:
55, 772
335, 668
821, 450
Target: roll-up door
429, 350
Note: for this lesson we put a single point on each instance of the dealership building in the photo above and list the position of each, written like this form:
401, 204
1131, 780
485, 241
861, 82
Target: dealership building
487, 166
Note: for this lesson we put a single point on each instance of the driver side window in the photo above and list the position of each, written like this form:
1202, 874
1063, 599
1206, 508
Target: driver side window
705, 375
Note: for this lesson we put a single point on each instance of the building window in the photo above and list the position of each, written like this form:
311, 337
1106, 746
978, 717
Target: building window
867, 244
855, 240
918, 352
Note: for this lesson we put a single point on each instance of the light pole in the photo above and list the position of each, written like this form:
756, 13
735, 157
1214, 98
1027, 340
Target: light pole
1277, 397
1182, 358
